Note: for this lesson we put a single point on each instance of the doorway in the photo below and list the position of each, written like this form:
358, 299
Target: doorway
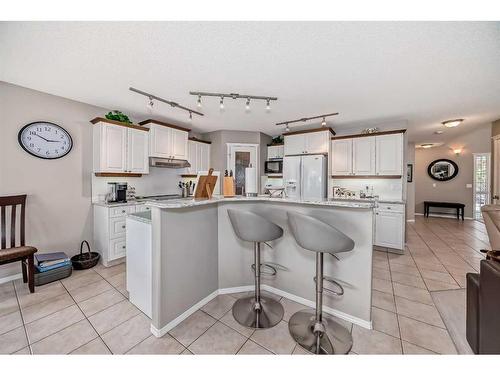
481, 186
239, 157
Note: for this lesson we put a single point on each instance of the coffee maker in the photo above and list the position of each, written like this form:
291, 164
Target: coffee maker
117, 192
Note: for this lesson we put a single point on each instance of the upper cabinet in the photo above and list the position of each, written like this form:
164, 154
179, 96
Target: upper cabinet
314, 141
166, 140
275, 152
119, 148
198, 155
373, 155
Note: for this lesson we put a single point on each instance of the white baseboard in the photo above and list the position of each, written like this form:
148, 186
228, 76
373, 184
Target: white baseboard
410, 220
446, 216
6, 279
247, 288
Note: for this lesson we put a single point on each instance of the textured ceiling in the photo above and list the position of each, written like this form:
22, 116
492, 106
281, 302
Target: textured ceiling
386, 74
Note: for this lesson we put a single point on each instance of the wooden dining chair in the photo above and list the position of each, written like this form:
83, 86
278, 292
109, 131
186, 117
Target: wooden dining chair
16, 252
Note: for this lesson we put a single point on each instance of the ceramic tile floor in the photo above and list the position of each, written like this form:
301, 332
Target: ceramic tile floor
89, 313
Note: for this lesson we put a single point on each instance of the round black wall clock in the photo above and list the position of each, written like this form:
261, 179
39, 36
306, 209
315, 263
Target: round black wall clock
45, 140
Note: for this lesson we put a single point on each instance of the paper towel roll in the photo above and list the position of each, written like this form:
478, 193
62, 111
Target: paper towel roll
250, 181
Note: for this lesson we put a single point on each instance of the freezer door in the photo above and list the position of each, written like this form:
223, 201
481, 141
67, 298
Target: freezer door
291, 176
313, 177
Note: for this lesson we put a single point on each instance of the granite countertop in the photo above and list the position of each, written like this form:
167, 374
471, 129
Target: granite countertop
129, 203
191, 202
393, 201
144, 217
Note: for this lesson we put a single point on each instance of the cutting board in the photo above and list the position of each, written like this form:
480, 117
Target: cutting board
206, 185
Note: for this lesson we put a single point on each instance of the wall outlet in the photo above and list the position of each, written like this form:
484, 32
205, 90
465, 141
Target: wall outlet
468, 186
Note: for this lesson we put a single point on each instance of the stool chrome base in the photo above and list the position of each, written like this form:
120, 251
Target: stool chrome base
270, 313
335, 340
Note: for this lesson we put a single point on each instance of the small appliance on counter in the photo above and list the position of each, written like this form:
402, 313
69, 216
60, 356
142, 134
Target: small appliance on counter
117, 192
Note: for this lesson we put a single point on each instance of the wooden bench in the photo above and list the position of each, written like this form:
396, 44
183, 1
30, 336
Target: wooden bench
460, 207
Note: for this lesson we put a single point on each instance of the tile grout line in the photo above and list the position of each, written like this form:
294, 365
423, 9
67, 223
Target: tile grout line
396, 307
191, 343
22, 319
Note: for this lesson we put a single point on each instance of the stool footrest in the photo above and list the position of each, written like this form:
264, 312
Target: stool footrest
338, 292
272, 268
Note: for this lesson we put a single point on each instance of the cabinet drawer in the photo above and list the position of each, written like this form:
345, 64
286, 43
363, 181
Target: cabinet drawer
392, 207
121, 211
117, 248
117, 227
142, 208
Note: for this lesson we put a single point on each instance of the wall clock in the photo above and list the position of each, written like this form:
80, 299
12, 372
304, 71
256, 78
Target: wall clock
45, 140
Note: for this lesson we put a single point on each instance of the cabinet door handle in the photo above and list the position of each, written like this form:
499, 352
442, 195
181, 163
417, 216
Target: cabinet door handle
123, 247
123, 226
123, 211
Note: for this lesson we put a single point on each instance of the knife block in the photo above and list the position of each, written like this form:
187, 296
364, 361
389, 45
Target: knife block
229, 187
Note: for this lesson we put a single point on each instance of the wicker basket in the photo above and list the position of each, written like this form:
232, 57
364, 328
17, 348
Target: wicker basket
86, 260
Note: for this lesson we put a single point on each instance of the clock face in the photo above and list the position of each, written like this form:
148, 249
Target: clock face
45, 140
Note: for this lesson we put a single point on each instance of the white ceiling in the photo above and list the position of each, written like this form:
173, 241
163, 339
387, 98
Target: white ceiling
386, 74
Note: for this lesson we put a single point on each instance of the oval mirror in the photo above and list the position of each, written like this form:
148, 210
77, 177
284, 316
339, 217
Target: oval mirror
442, 169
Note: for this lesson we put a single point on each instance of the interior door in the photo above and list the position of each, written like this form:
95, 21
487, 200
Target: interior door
137, 151
241, 156
363, 156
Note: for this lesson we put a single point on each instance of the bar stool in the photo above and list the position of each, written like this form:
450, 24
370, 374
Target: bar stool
256, 311
309, 328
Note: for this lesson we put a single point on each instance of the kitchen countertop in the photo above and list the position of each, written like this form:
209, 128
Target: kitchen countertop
393, 201
144, 217
191, 202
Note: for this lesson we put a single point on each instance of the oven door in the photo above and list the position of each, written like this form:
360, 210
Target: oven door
274, 166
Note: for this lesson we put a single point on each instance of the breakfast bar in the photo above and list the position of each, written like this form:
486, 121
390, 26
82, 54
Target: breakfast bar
196, 255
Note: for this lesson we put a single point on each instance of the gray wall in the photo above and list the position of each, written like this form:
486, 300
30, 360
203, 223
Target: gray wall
410, 186
476, 141
59, 212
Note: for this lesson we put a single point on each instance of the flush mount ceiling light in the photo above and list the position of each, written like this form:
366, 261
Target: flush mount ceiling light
452, 123
438, 132
234, 96
172, 104
304, 119
426, 145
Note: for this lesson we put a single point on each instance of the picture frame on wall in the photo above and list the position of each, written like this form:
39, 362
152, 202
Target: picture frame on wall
409, 173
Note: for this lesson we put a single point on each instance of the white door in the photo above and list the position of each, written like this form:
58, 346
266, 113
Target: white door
317, 142
179, 144
291, 176
363, 156
192, 157
313, 177
389, 229
389, 154
294, 144
203, 156
342, 157
113, 148
239, 157
160, 141
481, 183
137, 151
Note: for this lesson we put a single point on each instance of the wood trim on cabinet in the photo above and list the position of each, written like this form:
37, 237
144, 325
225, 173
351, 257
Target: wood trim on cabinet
275, 176
117, 174
189, 175
156, 122
133, 126
276, 144
199, 140
393, 176
369, 134
309, 131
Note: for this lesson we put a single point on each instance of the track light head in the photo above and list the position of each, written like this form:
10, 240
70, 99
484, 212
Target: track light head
287, 128
221, 106
150, 104
199, 101
247, 106
323, 123
190, 116
268, 105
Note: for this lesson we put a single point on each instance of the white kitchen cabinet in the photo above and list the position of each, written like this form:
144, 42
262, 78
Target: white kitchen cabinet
341, 159
119, 148
389, 154
316, 142
363, 156
275, 152
198, 156
390, 226
166, 140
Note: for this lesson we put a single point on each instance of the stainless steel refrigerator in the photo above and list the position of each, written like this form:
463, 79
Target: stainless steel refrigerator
305, 177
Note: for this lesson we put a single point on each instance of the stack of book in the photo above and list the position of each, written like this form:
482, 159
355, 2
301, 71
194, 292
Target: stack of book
49, 261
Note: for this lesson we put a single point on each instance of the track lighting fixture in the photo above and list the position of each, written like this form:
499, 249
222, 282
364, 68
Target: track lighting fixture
199, 101
235, 96
304, 119
171, 103
190, 116
150, 104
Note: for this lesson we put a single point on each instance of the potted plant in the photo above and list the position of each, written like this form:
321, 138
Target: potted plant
118, 116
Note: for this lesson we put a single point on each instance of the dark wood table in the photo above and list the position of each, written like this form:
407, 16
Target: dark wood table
460, 207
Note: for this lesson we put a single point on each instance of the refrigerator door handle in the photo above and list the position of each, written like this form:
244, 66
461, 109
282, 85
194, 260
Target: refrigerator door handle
301, 161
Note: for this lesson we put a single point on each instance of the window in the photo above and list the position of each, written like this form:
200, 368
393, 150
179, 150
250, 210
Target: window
481, 183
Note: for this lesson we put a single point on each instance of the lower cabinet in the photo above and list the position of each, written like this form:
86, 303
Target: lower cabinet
390, 226
110, 230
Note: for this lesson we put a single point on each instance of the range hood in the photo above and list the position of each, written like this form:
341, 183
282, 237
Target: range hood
168, 163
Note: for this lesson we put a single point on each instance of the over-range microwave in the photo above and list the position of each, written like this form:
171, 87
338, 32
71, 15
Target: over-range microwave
274, 166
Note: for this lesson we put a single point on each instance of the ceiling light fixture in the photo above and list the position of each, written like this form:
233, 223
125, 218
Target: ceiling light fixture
172, 104
221, 106
236, 96
304, 119
457, 151
199, 102
150, 104
287, 128
426, 145
438, 132
190, 116
452, 123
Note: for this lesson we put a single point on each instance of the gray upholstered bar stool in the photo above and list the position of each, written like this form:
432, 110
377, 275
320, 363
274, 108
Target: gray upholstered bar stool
309, 328
256, 311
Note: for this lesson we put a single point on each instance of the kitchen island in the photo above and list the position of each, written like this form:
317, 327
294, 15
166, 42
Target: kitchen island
196, 256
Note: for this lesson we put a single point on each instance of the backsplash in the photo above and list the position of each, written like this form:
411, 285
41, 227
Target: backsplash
384, 188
